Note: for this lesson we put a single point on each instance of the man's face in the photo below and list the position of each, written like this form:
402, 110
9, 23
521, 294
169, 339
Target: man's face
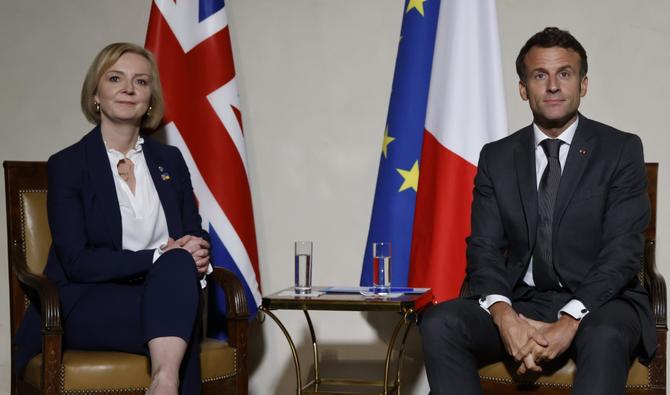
553, 87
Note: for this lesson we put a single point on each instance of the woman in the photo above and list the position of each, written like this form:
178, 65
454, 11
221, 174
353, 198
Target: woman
128, 248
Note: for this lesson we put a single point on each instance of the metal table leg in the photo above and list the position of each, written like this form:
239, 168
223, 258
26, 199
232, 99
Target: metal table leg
403, 320
315, 348
296, 361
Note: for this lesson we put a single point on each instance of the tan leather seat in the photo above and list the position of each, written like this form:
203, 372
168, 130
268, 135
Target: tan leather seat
638, 376
106, 368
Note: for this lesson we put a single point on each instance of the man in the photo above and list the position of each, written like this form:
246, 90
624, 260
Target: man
557, 236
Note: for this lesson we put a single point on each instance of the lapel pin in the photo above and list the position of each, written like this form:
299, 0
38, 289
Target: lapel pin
582, 151
164, 174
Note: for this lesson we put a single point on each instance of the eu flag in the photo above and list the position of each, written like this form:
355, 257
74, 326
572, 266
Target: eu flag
398, 176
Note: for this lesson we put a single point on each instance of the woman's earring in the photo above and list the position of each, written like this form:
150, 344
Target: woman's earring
148, 114
97, 107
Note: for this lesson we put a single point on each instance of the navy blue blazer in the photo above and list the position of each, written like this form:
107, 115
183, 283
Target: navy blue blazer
602, 210
85, 222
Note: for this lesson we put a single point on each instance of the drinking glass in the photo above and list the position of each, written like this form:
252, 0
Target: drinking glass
303, 267
381, 266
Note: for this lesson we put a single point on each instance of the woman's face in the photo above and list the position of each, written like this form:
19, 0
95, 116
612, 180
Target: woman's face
124, 90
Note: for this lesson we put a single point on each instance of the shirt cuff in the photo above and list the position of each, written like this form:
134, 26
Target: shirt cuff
157, 254
203, 280
575, 309
488, 301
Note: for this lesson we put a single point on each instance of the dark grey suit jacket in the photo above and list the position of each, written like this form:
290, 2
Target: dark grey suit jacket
601, 212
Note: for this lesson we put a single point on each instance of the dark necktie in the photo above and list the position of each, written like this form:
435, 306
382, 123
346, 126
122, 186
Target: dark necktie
543, 267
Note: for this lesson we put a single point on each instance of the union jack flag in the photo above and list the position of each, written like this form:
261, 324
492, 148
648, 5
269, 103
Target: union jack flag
191, 41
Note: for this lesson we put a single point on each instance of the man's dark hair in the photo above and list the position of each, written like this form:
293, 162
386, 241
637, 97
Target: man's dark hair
547, 38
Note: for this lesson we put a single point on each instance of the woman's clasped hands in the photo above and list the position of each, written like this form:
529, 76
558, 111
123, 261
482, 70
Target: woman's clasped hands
196, 246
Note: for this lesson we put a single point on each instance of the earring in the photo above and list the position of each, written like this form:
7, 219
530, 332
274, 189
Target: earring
97, 106
148, 113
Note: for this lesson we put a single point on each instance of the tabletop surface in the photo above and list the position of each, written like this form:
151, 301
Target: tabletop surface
347, 299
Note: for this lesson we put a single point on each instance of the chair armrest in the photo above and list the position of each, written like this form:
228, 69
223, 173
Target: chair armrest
238, 321
655, 284
52, 329
46, 291
236, 300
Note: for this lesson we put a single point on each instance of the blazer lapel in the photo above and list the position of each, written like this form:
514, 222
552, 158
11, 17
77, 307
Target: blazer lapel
578, 158
525, 172
160, 175
100, 174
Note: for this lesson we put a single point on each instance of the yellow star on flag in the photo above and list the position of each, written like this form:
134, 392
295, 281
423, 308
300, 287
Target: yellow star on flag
387, 140
411, 177
415, 4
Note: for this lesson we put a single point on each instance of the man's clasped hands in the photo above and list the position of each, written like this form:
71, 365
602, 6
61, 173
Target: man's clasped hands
532, 342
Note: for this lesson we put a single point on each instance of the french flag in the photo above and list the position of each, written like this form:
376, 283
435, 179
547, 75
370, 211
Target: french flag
191, 41
463, 108
466, 109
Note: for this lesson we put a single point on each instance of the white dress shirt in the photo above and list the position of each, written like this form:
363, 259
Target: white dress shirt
574, 307
143, 222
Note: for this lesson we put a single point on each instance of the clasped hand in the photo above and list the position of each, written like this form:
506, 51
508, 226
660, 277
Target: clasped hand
196, 246
532, 342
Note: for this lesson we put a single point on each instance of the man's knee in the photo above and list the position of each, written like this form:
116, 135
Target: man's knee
605, 338
445, 320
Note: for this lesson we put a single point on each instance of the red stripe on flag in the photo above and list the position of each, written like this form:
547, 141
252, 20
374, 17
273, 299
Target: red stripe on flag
238, 115
187, 80
441, 220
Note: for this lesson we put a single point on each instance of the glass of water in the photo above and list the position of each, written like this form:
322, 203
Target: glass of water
303, 267
381, 267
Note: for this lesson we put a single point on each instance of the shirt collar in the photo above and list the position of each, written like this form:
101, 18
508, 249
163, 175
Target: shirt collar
567, 135
131, 153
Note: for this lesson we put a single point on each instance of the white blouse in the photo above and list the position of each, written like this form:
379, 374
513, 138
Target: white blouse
142, 217
143, 221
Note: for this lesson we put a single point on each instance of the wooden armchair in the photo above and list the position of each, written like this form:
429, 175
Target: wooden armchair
59, 371
497, 379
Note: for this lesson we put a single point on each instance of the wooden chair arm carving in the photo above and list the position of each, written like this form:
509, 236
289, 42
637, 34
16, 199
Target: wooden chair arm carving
237, 316
655, 284
52, 329
46, 291
236, 301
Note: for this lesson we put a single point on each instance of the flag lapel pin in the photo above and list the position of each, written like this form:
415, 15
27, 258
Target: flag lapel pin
164, 174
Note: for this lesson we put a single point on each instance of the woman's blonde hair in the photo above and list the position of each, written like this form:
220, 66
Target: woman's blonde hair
103, 61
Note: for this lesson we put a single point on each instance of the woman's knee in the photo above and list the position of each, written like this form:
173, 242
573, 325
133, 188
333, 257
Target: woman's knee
177, 261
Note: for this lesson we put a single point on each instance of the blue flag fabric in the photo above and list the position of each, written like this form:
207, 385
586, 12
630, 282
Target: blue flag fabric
397, 179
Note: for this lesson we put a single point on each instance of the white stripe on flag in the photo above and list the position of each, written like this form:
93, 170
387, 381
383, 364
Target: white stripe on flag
223, 100
466, 106
210, 210
182, 16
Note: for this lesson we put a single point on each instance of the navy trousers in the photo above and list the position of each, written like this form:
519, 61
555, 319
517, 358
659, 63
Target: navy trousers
124, 317
459, 337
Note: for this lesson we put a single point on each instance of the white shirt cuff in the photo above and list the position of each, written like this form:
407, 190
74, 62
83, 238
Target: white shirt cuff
575, 309
157, 254
488, 301
203, 280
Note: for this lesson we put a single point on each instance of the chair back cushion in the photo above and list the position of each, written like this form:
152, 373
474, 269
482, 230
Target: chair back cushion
35, 229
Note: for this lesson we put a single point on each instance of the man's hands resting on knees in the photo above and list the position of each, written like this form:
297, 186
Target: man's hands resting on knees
514, 330
558, 334
532, 342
